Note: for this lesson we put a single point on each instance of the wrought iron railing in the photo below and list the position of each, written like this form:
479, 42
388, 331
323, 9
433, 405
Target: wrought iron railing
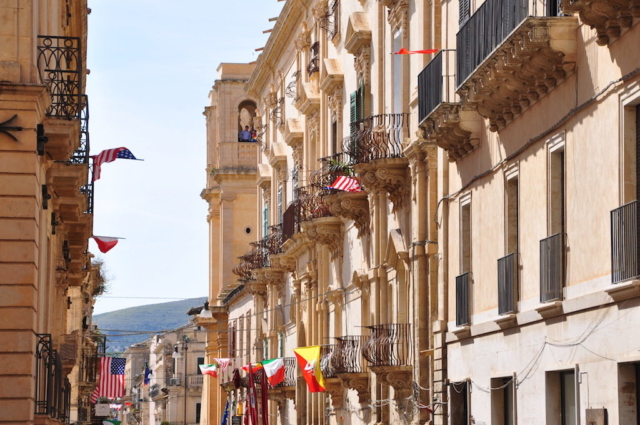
88, 366
552, 268
330, 20
81, 154
53, 391
347, 355
314, 63
154, 391
333, 166
436, 83
326, 362
292, 88
377, 137
507, 284
258, 256
485, 30
195, 381
389, 345
60, 68
624, 242
290, 366
463, 291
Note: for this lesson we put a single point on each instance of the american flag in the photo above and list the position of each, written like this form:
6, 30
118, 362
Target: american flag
348, 184
111, 384
109, 155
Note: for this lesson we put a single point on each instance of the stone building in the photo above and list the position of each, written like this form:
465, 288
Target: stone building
45, 208
538, 291
445, 291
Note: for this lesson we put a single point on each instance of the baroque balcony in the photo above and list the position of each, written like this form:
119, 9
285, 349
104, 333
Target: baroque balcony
348, 362
376, 146
506, 61
388, 351
607, 17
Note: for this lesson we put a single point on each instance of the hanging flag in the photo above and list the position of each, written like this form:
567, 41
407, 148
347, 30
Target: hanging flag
274, 369
253, 366
264, 393
348, 184
109, 155
223, 363
225, 416
147, 372
252, 405
404, 51
111, 383
105, 243
209, 369
309, 362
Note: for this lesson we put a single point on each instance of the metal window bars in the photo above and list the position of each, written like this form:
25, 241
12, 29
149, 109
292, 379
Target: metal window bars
552, 268
624, 242
507, 284
377, 137
60, 68
463, 296
53, 392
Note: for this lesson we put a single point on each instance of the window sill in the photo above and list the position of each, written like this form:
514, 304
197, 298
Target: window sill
625, 290
549, 309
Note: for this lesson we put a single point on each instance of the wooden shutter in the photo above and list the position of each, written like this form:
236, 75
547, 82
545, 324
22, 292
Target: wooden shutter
465, 11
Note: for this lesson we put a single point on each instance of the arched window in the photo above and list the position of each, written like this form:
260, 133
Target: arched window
246, 114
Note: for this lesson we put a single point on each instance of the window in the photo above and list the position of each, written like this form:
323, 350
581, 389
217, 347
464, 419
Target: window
334, 135
465, 234
357, 106
265, 348
465, 11
628, 393
248, 335
198, 412
459, 403
199, 362
398, 105
265, 219
280, 196
280, 344
232, 340
502, 401
561, 398
508, 265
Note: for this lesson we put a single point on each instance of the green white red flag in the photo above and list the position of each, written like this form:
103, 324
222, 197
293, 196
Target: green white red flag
274, 369
309, 362
209, 369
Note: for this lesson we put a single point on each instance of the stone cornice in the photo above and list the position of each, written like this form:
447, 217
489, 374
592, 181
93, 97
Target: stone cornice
358, 32
288, 21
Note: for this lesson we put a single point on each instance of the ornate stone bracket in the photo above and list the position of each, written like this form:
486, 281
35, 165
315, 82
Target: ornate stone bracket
327, 231
536, 56
270, 276
334, 387
398, 377
607, 17
256, 288
387, 175
453, 128
283, 262
358, 382
352, 206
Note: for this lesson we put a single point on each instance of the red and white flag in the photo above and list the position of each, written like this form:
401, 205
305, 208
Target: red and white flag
109, 155
111, 382
348, 184
404, 51
105, 243
223, 363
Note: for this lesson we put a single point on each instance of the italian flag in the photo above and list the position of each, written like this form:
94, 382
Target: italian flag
309, 362
209, 369
274, 369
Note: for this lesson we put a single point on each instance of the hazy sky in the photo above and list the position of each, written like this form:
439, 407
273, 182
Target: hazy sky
152, 65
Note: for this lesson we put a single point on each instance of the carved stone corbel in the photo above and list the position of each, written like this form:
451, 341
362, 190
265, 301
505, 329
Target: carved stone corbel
326, 231
388, 175
351, 206
397, 377
358, 382
334, 387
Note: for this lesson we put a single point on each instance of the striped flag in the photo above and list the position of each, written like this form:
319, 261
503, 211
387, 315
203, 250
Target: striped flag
109, 155
348, 184
111, 383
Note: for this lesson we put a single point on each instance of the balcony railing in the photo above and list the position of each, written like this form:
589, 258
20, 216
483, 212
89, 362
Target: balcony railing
306, 206
389, 345
485, 30
463, 291
436, 83
88, 366
290, 370
326, 364
624, 242
552, 268
234, 157
347, 355
194, 381
258, 257
377, 137
507, 284
334, 166
53, 392
60, 68
314, 63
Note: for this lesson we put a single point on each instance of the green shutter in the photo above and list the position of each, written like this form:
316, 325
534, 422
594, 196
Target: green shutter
360, 101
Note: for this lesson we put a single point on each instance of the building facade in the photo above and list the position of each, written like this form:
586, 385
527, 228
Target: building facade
45, 211
444, 291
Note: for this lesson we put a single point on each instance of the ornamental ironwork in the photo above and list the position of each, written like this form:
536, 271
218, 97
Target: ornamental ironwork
60, 68
330, 20
314, 63
377, 137
292, 88
53, 391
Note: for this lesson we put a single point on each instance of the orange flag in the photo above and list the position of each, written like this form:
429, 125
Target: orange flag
404, 51
309, 362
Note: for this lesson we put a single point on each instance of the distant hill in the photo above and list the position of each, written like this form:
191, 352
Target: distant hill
150, 318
